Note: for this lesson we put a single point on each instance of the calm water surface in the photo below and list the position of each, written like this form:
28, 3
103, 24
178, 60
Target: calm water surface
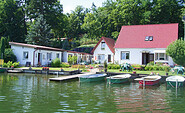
34, 93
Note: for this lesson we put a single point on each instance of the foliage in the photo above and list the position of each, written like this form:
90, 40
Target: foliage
113, 66
55, 62
9, 55
12, 21
78, 66
72, 59
176, 51
105, 64
157, 68
2, 47
40, 32
64, 65
10, 64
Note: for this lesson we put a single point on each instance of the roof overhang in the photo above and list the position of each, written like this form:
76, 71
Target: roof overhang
159, 51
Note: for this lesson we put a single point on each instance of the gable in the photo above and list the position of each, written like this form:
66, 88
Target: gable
108, 41
134, 36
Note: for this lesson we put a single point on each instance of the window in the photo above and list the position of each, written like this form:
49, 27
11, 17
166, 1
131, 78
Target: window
161, 56
101, 57
146, 38
125, 55
103, 46
57, 55
149, 38
25, 55
49, 56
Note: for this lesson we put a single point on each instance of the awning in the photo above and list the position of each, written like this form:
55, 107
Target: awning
159, 51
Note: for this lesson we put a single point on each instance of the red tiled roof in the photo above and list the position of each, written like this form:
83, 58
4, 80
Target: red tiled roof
133, 36
110, 43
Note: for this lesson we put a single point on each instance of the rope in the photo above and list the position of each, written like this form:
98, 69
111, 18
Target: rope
171, 84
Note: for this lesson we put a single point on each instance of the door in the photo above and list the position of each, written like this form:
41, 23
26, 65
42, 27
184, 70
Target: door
39, 59
145, 58
109, 58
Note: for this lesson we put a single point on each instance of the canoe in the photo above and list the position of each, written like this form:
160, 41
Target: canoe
175, 81
92, 78
149, 80
117, 79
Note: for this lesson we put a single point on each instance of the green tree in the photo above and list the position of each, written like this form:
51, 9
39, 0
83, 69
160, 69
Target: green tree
12, 21
76, 19
9, 55
2, 47
39, 33
176, 50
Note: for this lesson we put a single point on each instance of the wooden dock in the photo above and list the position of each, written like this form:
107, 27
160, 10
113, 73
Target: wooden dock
63, 78
38, 71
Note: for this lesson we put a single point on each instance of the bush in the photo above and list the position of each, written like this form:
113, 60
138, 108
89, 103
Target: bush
9, 55
64, 65
78, 66
113, 66
55, 62
9, 64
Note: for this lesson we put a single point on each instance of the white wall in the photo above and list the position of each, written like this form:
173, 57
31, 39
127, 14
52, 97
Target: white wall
106, 52
44, 60
18, 51
136, 55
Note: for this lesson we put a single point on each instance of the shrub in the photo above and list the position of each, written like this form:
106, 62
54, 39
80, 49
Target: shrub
9, 55
78, 66
113, 66
151, 63
64, 65
9, 64
55, 62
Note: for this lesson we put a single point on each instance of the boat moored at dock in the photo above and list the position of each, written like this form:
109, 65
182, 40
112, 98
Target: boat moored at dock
149, 80
117, 79
92, 78
175, 81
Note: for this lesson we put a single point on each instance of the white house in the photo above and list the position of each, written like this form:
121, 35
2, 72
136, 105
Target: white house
104, 50
42, 55
140, 44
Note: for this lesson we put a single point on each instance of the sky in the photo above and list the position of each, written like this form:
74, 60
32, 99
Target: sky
69, 5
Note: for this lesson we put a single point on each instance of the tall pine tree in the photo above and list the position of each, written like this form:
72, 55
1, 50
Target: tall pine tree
39, 32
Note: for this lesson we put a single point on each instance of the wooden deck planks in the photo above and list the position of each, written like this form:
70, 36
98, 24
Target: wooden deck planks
69, 77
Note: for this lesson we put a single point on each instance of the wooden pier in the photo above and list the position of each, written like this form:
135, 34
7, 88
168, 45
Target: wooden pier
37, 71
63, 78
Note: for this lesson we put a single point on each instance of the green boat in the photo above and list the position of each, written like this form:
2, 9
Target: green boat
2, 70
175, 81
117, 79
92, 78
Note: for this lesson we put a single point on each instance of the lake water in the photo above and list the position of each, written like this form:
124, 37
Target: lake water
34, 93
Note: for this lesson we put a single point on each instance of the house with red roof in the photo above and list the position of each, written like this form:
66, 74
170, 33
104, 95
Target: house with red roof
104, 50
141, 44
35, 55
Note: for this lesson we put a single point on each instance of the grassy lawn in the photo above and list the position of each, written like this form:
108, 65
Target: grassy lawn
109, 70
141, 72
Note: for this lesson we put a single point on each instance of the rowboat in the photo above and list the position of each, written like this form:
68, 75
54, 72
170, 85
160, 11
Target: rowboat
149, 80
92, 78
117, 79
175, 81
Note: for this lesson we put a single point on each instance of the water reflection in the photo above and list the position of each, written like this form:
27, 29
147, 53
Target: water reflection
34, 93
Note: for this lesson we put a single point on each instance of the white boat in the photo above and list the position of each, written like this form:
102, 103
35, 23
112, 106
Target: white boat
118, 78
175, 81
149, 80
